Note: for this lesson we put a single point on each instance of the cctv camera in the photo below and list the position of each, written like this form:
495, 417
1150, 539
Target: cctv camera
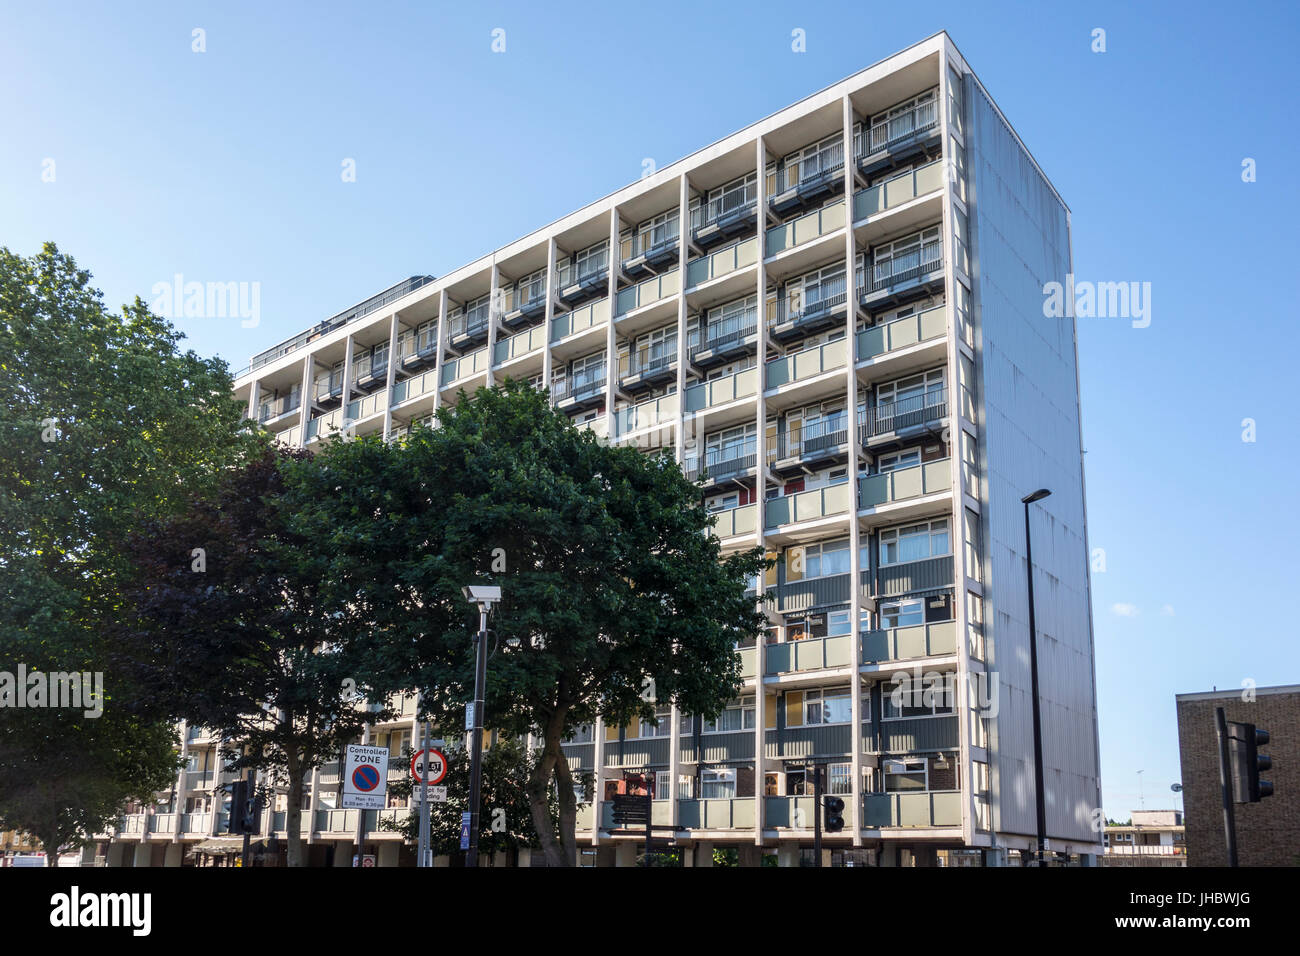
481, 594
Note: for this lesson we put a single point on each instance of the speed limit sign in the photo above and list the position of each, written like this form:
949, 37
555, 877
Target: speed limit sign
437, 765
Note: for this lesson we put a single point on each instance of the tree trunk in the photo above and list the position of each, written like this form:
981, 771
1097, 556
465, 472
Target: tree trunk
568, 810
293, 817
50, 844
539, 783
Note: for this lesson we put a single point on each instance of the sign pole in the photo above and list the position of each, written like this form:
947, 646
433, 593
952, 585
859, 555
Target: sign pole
476, 742
1225, 785
424, 799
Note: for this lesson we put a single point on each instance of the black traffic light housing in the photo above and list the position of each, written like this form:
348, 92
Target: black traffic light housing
1244, 741
245, 804
834, 814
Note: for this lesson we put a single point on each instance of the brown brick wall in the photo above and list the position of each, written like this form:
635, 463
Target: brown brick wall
1268, 832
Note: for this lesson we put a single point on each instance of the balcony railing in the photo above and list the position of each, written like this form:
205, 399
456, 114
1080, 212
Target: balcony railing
475, 363
813, 302
908, 266
804, 173
714, 265
368, 406
920, 808
732, 205
470, 322
812, 653
648, 292
329, 386
928, 478
412, 344
659, 239
722, 391
645, 415
583, 385
656, 358
806, 228
894, 192
368, 368
322, 426
580, 319
900, 333
807, 363
736, 521
519, 345
896, 130
736, 813
425, 383
591, 270
524, 297
808, 505
730, 331
908, 412
279, 406
196, 822
723, 462
937, 639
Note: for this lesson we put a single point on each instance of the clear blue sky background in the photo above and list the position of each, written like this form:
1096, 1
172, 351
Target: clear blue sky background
225, 166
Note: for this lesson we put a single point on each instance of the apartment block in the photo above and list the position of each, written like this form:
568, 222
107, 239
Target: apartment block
833, 319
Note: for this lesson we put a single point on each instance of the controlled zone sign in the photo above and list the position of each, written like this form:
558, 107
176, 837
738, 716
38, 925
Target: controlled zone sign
365, 778
437, 765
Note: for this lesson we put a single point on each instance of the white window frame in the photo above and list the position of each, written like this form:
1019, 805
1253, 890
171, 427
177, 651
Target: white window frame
894, 536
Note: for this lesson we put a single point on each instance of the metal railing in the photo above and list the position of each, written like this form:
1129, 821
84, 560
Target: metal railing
412, 342
916, 262
278, 406
810, 439
904, 413
805, 172
816, 300
734, 203
729, 460
588, 382
890, 132
651, 359
469, 321
595, 268
652, 240
732, 329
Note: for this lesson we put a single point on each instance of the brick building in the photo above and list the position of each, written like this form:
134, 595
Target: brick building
1268, 832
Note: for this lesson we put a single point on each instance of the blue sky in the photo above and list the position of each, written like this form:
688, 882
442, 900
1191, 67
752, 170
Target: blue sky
225, 166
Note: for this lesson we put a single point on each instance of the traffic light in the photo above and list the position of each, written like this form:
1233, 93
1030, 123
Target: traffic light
1244, 741
244, 808
834, 814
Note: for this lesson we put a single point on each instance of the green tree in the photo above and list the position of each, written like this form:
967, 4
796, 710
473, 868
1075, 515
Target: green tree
103, 420
247, 644
611, 583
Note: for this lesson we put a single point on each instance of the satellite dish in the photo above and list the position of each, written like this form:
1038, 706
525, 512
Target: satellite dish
1176, 787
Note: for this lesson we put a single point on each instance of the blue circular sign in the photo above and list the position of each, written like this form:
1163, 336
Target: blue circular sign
365, 778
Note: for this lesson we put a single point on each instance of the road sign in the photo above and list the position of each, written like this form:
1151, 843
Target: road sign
365, 778
438, 794
367, 860
464, 829
437, 765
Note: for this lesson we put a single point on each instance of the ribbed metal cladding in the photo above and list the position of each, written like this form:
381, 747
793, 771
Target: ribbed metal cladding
920, 733
721, 748
914, 576
832, 740
637, 753
801, 595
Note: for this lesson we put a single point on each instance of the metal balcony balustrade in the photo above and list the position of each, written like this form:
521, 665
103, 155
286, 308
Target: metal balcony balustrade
279, 406
812, 439
736, 204
470, 322
726, 461
728, 331
413, 344
584, 384
896, 130
813, 171
591, 270
907, 412
654, 358
811, 303
368, 368
659, 239
329, 386
927, 257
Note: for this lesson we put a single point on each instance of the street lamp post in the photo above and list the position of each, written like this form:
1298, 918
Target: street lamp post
1039, 804
484, 596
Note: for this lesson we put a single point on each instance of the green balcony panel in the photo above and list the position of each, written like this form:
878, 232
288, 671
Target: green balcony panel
909, 330
806, 364
795, 813
929, 478
722, 391
748, 661
728, 259
519, 345
808, 505
648, 292
579, 320
734, 521
806, 228
922, 808
894, 192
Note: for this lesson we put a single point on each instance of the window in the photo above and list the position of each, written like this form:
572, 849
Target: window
914, 392
584, 734
892, 260
831, 706
837, 622
920, 698
901, 459
736, 717
903, 613
662, 729
907, 774
718, 784
839, 778
917, 542
723, 502
821, 560
591, 260
732, 320
733, 195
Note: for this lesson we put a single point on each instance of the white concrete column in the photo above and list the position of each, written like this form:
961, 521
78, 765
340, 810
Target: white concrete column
760, 492
394, 330
611, 339
547, 361
308, 396
683, 253
347, 384
597, 798
494, 318
674, 764
254, 394
442, 348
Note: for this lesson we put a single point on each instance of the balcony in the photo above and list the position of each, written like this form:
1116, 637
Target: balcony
648, 367
811, 309
463, 369
335, 821
417, 349
519, 345
806, 364
727, 260
909, 577
895, 138
815, 592
276, 408
748, 662
163, 824
199, 780
736, 813
809, 654
722, 341
732, 522
807, 180
322, 426
426, 383
577, 284
280, 821
329, 388
722, 391
196, 823
913, 413
367, 407
813, 740
729, 215
369, 373
910, 275
805, 229
789, 813
135, 824
902, 484
583, 390
523, 303
937, 639
894, 192
878, 340
580, 320
468, 327
922, 808
720, 464
808, 505
658, 411
647, 292
651, 250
